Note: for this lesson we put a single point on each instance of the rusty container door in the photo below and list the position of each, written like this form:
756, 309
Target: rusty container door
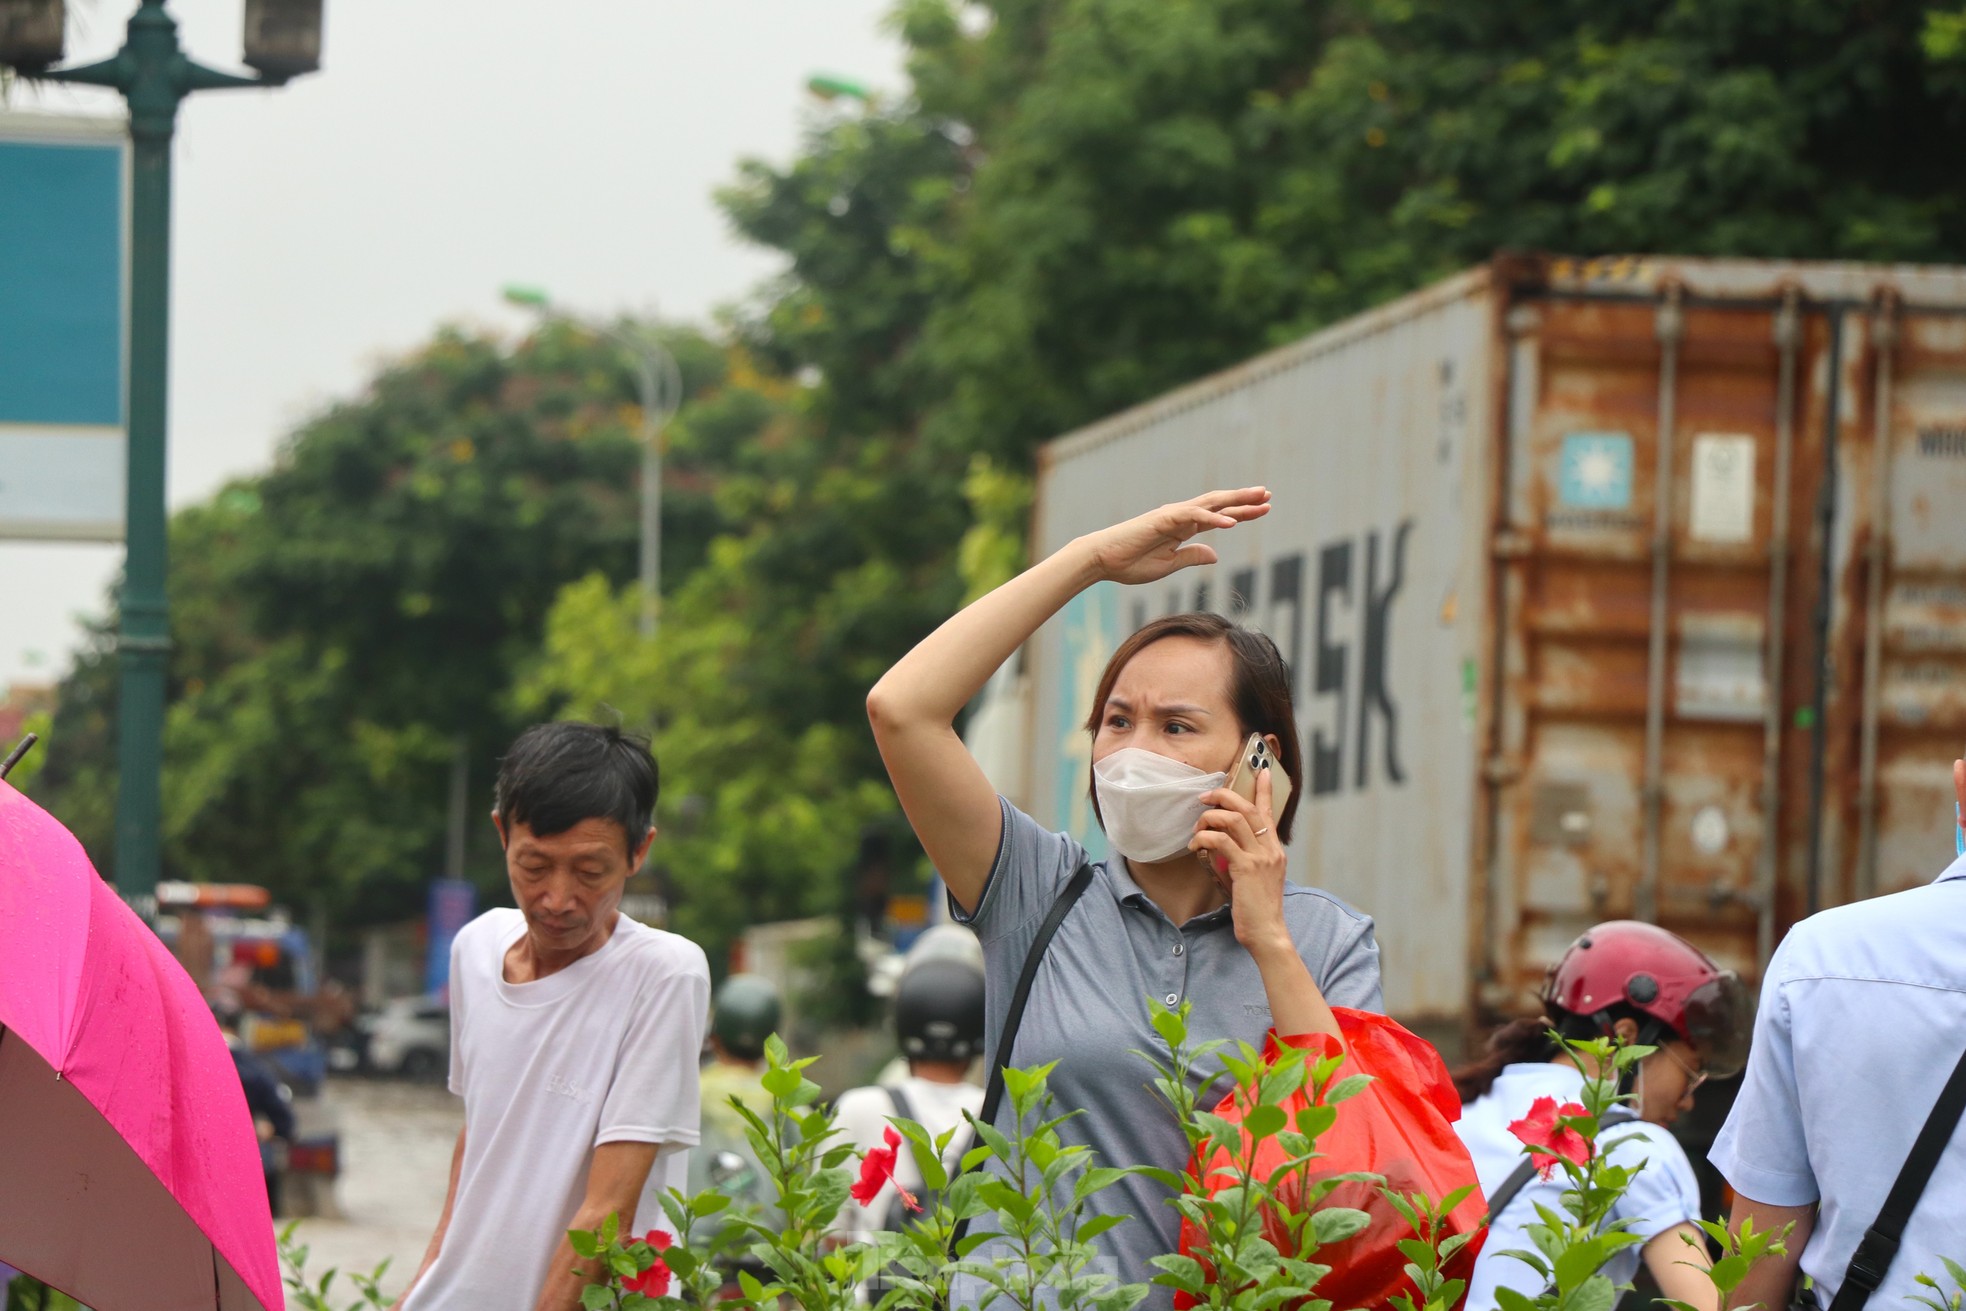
1727, 684
1648, 614
1897, 709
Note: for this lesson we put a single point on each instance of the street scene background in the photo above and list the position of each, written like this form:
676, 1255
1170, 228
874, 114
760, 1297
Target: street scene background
882, 254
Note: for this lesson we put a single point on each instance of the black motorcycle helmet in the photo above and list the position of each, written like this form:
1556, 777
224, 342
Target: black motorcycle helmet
744, 1012
938, 1010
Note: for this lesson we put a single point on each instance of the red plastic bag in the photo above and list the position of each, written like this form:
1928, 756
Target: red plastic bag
1400, 1127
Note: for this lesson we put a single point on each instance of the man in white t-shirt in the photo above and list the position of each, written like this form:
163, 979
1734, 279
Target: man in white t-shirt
574, 1036
938, 1017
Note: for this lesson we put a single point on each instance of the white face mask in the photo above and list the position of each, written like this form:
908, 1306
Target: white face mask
1149, 802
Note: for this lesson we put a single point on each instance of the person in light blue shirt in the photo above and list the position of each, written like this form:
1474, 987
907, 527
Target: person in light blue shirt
1862, 1019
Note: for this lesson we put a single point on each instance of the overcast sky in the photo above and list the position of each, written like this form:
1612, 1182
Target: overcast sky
447, 148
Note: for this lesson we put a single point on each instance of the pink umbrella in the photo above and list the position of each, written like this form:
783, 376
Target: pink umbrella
129, 1170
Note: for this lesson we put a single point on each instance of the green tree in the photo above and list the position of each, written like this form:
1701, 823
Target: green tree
342, 623
1166, 186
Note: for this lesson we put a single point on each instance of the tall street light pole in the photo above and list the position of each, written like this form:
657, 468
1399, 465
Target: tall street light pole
660, 384
283, 39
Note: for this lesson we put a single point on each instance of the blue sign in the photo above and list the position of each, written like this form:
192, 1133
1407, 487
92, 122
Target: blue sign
63, 204
1596, 471
452, 904
61, 276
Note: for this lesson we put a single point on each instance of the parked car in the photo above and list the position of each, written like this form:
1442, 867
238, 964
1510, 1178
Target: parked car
410, 1036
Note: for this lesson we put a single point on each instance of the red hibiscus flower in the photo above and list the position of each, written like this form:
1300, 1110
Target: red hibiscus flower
1548, 1138
654, 1281
877, 1170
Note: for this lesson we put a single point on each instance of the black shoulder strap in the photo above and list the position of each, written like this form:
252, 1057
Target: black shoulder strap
1518, 1179
1872, 1259
902, 1110
1526, 1169
1014, 1017
1068, 897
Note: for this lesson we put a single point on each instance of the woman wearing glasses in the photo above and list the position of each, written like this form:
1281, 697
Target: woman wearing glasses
1635, 984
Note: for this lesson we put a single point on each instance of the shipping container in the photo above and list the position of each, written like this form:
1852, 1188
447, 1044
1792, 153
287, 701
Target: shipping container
1630, 587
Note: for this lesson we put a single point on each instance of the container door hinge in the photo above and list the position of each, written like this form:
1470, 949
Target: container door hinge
1500, 771
1512, 545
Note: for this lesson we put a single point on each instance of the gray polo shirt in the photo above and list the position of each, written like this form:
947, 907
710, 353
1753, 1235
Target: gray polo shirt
1089, 1008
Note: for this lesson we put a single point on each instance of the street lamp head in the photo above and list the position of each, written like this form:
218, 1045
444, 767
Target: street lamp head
283, 37
531, 298
31, 33
829, 87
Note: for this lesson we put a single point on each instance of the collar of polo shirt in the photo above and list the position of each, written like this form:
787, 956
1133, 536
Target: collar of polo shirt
1127, 893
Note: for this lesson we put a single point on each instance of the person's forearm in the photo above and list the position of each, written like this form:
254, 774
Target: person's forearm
1297, 1005
569, 1273
933, 682
565, 1279
1678, 1261
1772, 1280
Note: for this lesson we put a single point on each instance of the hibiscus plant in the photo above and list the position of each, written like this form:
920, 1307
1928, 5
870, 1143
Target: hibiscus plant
1035, 1186
1255, 1247
1028, 1242
308, 1294
1574, 1245
654, 1272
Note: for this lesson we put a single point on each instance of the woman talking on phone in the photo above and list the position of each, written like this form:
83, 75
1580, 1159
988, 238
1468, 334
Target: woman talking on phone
1193, 906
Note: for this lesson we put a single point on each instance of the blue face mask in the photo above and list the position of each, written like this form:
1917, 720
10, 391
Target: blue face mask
1958, 833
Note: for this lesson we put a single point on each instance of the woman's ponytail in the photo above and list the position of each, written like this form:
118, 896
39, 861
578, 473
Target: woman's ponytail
1518, 1042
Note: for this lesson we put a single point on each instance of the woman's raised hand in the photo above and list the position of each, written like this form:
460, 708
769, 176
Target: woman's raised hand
1155, 544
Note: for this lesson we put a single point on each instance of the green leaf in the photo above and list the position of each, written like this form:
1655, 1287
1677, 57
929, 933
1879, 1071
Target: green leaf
1510, 1300
1094, 1226
1334, 1224
1170, 1023
583, 1243
1597, 1293
1347, 1088
1097, 1180
596, 1297
1729, 1271
1264, 1122
1534, 1260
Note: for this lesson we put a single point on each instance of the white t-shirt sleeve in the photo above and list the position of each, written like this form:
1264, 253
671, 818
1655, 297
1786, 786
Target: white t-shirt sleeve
1666, 1192
654, 1097
1761, 1151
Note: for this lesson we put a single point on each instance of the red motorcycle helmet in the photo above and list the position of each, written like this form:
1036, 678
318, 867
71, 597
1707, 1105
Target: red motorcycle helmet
1659, 974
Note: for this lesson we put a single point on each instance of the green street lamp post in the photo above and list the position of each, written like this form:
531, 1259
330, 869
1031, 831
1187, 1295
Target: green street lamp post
661, 386
282, 40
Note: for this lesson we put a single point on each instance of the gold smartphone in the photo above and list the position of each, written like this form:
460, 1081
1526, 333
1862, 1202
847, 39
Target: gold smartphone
1254, 758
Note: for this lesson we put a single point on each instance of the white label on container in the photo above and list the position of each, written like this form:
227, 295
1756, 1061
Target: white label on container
1723, 488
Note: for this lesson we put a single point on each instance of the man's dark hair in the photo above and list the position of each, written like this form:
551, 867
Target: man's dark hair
556, 775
